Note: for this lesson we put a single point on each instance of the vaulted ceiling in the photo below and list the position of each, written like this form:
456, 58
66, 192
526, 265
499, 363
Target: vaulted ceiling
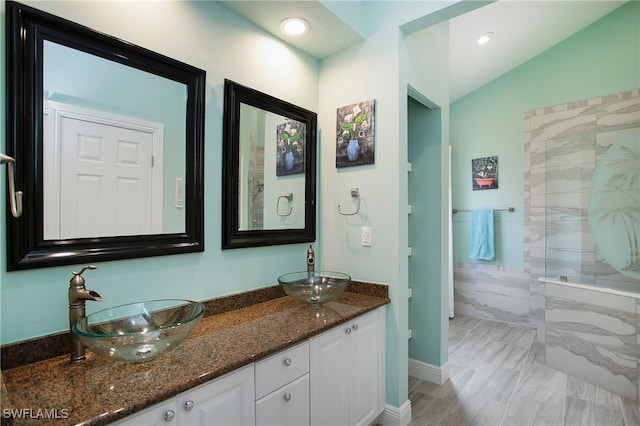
522, 30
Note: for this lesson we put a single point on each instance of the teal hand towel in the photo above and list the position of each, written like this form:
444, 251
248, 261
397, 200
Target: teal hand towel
481, 244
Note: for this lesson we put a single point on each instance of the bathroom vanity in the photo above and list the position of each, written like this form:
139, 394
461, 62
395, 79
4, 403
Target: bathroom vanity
271, 362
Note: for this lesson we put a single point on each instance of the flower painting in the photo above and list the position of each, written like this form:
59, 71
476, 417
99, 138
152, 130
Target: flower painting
355, 134
290, 153
484, 173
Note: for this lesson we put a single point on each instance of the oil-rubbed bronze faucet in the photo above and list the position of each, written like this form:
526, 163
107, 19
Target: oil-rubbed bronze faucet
78, 294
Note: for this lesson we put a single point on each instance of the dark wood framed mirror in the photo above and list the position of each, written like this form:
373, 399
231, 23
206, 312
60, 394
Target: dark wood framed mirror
269, 170
108, 139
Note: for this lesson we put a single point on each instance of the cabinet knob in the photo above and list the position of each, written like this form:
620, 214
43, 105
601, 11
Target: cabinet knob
169, 415
355, 327
188, 406
287, 397
348, 330
287, 361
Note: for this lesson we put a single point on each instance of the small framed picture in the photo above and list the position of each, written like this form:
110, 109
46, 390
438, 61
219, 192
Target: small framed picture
355, 134
290, 146
484, 173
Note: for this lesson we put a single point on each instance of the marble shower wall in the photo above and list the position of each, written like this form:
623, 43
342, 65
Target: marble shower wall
585, 332
592, 335
562, 147
492, 292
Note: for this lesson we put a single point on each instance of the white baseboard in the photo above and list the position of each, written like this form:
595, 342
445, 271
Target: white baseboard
430, 373
396, 416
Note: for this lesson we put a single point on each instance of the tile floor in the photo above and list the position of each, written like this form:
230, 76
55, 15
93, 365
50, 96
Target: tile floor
495, 379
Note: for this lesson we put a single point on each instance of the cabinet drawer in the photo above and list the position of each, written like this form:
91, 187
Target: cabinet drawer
281, 368
286, 406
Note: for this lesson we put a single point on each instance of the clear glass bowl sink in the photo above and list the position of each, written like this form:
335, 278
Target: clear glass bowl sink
314, 288
139, 331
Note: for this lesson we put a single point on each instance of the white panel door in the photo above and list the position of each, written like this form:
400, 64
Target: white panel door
106, 173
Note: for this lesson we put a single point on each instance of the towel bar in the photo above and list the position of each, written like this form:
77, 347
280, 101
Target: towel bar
510, 210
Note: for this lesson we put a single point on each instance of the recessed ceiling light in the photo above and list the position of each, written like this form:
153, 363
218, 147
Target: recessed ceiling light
484, 38
294, 26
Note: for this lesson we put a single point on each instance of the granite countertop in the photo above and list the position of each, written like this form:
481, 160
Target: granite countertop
100, 391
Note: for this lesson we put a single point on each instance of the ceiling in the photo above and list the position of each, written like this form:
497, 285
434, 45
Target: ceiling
522, 30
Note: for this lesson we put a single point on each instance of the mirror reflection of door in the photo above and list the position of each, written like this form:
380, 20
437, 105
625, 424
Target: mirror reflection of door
108, 181
116, 120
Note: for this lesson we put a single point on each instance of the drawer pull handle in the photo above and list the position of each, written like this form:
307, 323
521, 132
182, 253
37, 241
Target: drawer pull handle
188, 406
287, 397
169, 415
355, 327
287, 361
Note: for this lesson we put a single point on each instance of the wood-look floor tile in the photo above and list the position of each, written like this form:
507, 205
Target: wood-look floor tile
581, 389
427, 410
579, 413
630, 411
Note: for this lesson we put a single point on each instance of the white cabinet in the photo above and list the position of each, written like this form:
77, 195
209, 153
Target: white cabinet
335, 378
223, 401
286, 406
161, 414
282, 388
346, 384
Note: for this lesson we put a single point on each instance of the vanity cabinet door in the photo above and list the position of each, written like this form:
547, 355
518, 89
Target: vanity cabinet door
345, 373
329, 374
163, 414
228, 400
364, 377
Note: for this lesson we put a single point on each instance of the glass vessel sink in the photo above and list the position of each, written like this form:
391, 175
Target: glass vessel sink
139, 331
316, 287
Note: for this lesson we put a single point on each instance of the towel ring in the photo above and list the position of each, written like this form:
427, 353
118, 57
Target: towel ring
15, 197
289, 197
355, 193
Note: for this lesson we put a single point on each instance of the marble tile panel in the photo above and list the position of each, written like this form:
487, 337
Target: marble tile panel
575, 120
584, 361
464, 302
579, 412
538, 173
569, 178
496, 306
620, 113
569, 150
613, 305
556, 202
604, 140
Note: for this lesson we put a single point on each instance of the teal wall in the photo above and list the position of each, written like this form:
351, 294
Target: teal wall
425, 279
210, 37
602, 59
